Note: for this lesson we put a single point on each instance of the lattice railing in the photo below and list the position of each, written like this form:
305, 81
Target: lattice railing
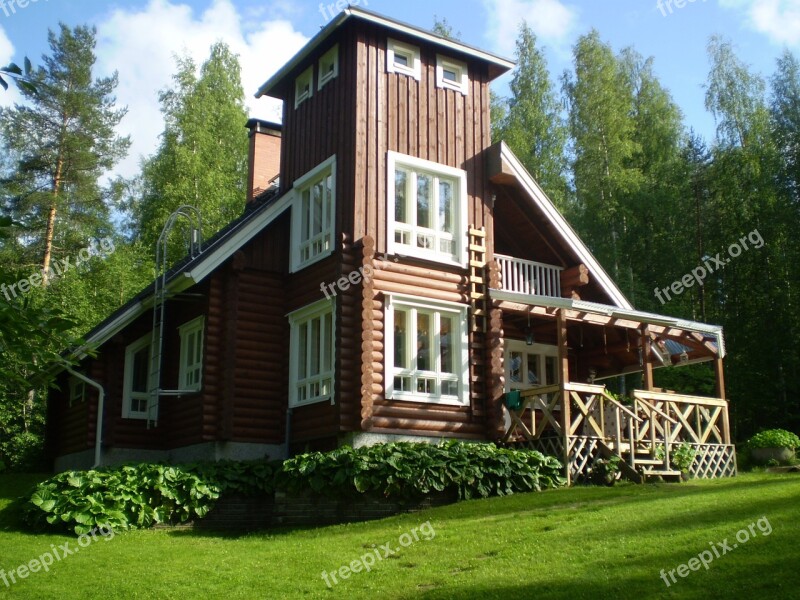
713, 460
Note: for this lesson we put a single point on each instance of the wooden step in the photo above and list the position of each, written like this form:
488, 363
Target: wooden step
662, 472
648, 461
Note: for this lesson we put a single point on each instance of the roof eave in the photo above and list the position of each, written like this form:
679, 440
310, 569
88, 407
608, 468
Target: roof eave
497, 64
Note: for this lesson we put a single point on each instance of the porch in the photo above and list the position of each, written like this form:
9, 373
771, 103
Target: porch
563, 409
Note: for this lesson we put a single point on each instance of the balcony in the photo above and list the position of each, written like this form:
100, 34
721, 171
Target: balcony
529, 277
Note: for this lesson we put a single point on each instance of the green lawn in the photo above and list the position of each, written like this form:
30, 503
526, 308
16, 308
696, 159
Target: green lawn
574, 543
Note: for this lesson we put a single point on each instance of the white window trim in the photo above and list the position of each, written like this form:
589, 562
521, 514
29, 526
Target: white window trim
299, 185
324, 75
461, 340
412, 52
74, 384
195, 325
305, 76
143, 342
542, 350
459, 67
460, 237
296, 318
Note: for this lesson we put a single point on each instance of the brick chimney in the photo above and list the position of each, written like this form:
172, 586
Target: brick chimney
264, 156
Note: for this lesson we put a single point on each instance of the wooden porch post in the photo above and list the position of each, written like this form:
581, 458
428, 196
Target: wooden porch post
720, 377
563, 366
647, 365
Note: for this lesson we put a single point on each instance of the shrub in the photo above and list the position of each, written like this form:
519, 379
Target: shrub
126, 497
137, 496
774, 438
411, 470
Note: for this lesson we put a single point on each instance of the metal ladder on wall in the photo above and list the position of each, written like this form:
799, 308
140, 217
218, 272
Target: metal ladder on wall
195, 244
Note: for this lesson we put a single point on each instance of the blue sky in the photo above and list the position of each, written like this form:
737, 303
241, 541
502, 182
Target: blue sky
139, 38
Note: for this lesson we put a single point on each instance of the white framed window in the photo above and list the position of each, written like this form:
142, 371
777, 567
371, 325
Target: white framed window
311, 359
313, 211
427, 210
304, 86
426, 351
452, 74
77, 391
191, 360
328, 66
136, 384
404, 59
528, 366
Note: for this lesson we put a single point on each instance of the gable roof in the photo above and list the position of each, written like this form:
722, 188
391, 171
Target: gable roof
191, 271
497, 64
502, 161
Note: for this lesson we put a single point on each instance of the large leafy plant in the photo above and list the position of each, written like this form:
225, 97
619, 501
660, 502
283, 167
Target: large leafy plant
775, 438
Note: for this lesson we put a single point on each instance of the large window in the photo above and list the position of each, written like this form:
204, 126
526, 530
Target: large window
313, 215
311, 354
426, 351
427, 210
191, 365
528, 366
136, 399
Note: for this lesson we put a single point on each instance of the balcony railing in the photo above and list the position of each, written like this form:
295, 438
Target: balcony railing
529, 277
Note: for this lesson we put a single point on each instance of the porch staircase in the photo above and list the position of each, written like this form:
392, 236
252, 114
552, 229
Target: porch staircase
644, 465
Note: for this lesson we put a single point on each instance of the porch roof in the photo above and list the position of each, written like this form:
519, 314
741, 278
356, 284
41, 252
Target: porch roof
682, 331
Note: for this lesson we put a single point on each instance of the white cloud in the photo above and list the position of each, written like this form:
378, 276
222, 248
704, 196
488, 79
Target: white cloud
779, 20
141, 45
552, 21
7, 98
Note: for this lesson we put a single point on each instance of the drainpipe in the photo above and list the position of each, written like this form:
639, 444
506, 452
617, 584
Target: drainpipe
98, 434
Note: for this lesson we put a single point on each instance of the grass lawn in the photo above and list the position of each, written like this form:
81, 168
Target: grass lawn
573, 543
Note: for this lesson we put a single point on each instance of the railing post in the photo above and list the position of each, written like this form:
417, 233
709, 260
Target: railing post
563, 361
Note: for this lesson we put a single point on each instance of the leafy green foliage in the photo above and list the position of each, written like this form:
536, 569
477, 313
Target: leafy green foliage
239, 478
22, 78
409, 470
127, 497
604, 470
774, 438
683, 457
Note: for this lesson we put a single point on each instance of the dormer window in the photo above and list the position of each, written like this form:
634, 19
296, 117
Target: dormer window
328, 66
403, 59
452, 74
304, 87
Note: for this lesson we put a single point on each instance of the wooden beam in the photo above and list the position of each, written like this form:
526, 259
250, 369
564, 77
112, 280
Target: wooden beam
563, 365
647, 365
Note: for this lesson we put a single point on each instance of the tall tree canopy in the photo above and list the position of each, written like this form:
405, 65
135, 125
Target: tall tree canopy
202, 159
64, 139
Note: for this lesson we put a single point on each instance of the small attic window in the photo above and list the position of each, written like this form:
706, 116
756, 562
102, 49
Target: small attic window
328, 66
403, 59
304, 87
452, 74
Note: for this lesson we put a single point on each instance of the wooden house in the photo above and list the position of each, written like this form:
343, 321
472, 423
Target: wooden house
395, 275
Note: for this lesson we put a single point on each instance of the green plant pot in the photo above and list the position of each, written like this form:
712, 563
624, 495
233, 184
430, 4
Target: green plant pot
513, 400
764, 455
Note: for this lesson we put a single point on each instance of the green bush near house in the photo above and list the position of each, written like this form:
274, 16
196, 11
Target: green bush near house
774, 438
142, 495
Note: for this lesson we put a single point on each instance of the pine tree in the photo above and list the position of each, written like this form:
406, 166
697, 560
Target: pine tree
64, 138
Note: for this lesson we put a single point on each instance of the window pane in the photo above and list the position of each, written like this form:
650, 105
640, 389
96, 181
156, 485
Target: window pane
446, 206
449, 388
515, 367
446, 344
328, 201
400, 339
140, 370
551, 370
326, 347
400, 181
400, 60
302, 354
305, 216
424, 184
315, 347
533, 368
317, 209
423, 342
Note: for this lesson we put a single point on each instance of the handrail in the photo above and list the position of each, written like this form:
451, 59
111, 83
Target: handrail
657, 410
